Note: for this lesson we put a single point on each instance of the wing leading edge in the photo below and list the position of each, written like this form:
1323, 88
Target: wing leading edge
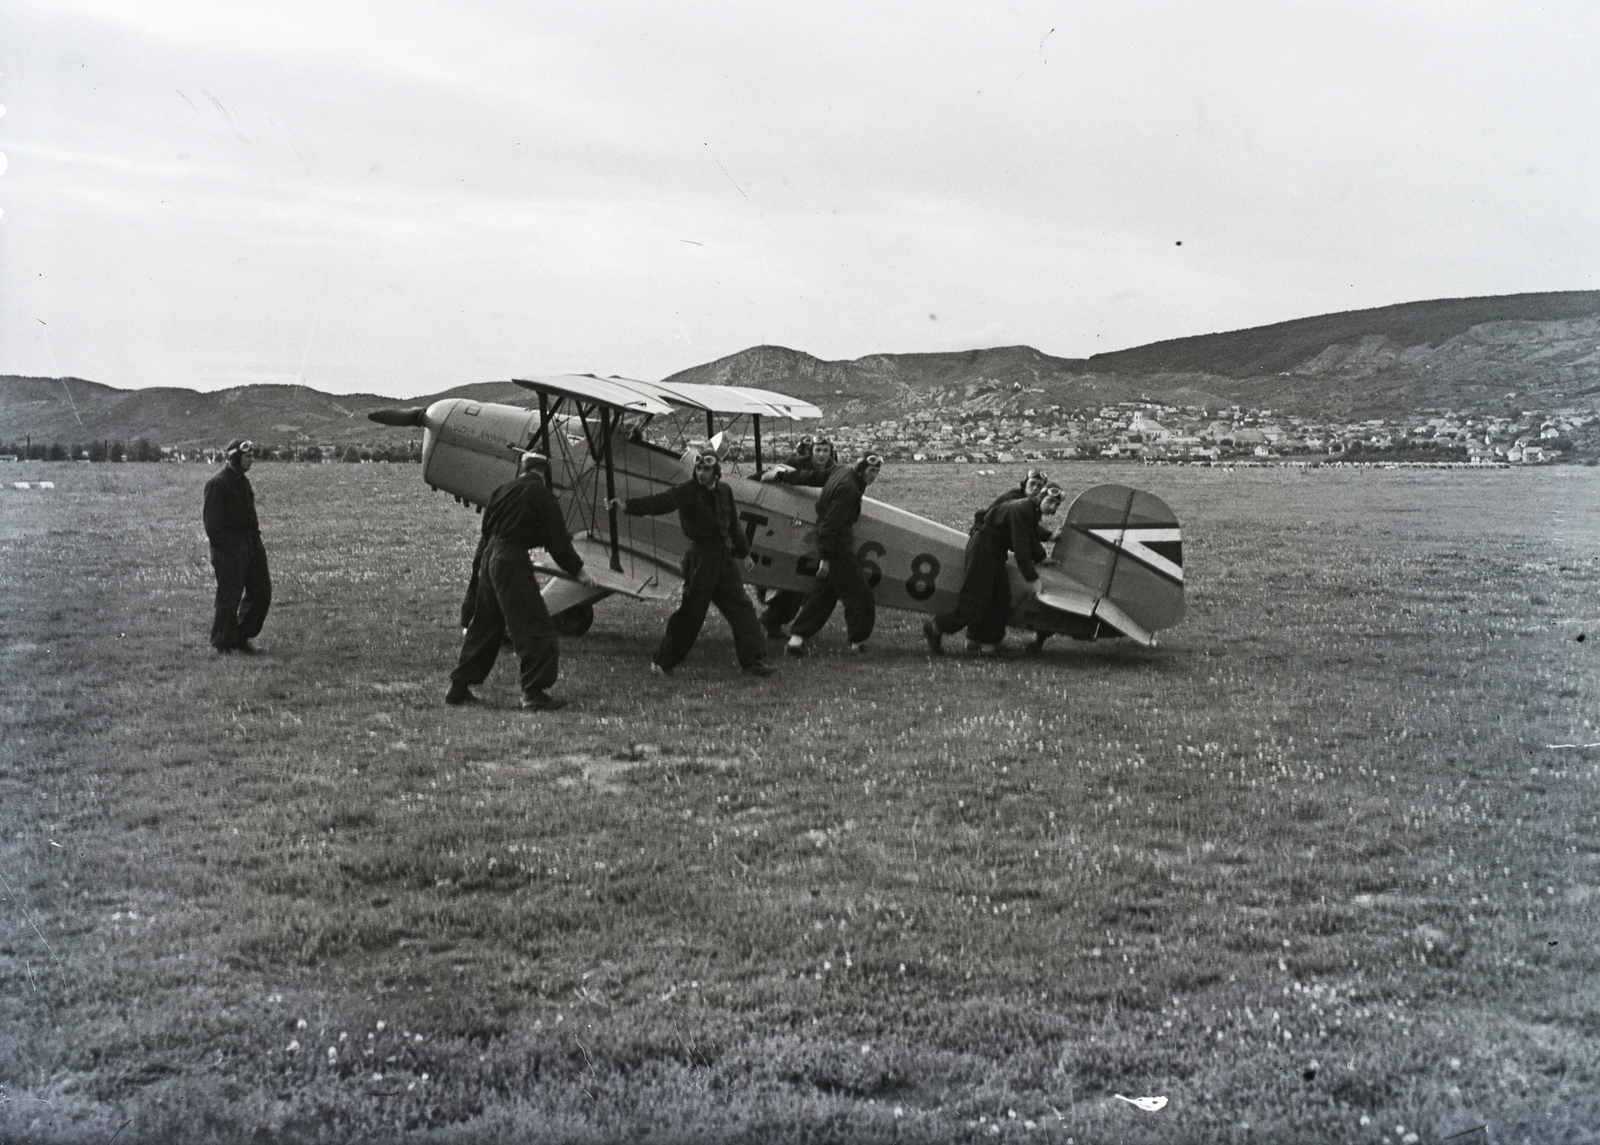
634, 395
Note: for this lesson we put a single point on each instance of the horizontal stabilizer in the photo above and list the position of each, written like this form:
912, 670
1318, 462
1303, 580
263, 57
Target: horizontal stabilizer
1101, 618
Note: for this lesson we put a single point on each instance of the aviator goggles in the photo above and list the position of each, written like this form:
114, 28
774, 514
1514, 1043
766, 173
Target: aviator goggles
706, 461
873, 461
244, 447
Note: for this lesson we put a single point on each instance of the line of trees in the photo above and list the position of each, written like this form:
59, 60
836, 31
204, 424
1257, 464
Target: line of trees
142, 449
103, 449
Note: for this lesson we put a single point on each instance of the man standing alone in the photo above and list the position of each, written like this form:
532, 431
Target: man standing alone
244, 586
522, 514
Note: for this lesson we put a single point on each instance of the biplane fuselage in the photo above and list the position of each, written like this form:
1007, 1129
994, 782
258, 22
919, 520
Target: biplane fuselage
1116, 571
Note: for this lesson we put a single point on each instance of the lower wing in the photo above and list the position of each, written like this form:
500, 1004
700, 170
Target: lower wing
646, 580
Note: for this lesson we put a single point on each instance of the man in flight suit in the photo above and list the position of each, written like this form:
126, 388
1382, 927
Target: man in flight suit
710, 521
1031, 484
985, 600
522, 514
801, 458
810, 467
244, 586
985, 634
839, 575
811, 470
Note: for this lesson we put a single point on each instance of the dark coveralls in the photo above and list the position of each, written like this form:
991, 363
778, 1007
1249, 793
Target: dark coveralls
783, 604
982, 515
838, 509
522, 514
1010, 525
244, 586
990, 626
710, 522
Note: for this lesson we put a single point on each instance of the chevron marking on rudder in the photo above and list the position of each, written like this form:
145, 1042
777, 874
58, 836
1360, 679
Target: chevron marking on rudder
1135, 540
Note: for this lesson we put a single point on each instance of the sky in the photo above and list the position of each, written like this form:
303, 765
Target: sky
400, 197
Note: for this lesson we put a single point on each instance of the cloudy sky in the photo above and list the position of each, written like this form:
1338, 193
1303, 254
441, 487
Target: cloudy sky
397, 197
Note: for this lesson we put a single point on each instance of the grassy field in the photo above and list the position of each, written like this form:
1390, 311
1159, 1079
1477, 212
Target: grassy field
1310, 870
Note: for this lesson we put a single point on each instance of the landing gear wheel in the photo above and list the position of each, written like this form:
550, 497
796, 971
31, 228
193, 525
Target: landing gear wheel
573, 621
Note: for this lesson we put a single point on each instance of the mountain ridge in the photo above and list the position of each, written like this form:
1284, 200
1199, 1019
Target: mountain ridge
1382, 362
1478, 354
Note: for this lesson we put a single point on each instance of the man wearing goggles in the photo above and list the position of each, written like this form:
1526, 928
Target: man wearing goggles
839, 576
244, 585
711, 567
811, 469
990, 627
1034, 481
985, 600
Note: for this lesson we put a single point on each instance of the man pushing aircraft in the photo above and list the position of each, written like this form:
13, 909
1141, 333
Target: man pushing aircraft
717, 547
985, 601
839, 575
522, 514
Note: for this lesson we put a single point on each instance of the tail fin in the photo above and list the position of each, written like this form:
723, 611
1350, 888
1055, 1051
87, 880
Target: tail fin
1125, 546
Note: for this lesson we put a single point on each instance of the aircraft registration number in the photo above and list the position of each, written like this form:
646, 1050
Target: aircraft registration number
920, 585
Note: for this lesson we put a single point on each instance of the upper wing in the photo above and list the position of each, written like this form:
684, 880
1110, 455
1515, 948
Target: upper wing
637, 396
618, 393
736, 400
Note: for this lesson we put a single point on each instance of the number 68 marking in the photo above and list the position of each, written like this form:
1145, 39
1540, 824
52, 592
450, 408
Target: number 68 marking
924, 574
920, 585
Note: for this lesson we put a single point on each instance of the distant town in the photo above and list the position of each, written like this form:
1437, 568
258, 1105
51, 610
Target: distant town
1510, 380
1151, 431
1127, 431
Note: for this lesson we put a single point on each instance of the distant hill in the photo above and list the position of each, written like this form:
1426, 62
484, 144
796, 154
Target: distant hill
1458, 353
74, 410
878, 385
1287, 345
1519, 351
1461, 353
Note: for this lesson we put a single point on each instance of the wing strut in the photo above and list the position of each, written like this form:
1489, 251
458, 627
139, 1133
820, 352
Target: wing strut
755, 420
544, 423
607, 424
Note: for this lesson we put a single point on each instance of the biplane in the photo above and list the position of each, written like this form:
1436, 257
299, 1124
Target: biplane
1115, 570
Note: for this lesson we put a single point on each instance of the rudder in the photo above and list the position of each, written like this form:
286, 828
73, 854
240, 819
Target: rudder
1125, 545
